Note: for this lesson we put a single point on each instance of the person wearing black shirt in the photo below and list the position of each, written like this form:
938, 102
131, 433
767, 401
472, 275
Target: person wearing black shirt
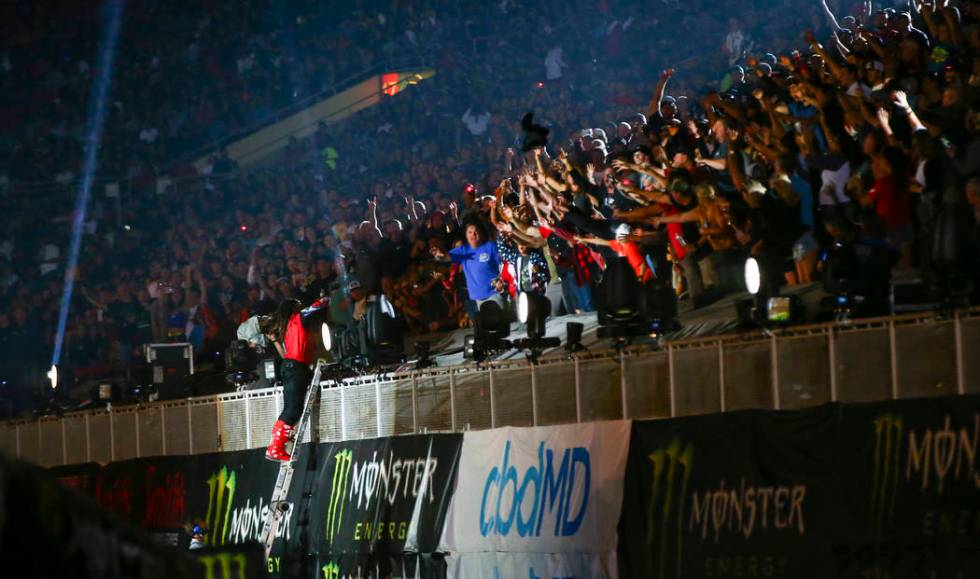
323, 276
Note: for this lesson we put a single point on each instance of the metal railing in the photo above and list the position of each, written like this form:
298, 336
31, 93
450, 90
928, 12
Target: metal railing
887, 358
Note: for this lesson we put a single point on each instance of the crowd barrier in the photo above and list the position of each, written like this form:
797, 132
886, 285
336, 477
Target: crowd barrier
888, 358
883, 489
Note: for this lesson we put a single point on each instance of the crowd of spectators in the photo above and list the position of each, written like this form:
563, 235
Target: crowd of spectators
802, 127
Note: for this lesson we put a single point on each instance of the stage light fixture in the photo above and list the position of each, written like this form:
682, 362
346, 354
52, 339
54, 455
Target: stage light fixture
52, 375
753, 276
628, 308
573, 337
374, 340
384, 328
469, 347
533, 311
492, 323
325, 334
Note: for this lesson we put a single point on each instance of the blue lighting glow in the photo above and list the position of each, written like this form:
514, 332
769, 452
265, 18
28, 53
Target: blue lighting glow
112, 18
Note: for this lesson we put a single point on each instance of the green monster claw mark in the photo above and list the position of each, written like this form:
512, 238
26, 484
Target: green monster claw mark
212, 483
230, 485
224, 560
686, 459
338, 492
676, 453
657, 458
887, 456
217, 484
331, 571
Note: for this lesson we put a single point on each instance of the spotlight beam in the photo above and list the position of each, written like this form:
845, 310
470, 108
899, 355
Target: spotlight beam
112, 19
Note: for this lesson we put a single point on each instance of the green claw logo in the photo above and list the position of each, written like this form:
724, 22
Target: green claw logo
338, 494
887, 460
672, 468
221, 493
331, 570
224, 562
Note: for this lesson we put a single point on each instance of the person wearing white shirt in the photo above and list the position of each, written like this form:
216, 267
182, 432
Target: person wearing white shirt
478, 123
554, 63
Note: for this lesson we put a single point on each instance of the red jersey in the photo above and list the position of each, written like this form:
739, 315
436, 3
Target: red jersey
892, 205
298, 342
631, 252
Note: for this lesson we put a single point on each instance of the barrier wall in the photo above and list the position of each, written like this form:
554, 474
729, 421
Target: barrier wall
900, 357
888, 489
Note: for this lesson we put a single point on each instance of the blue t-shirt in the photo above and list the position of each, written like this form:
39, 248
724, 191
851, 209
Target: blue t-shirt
802, 188
480, 266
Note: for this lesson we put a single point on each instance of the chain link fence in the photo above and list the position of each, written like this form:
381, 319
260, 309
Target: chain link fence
898, 357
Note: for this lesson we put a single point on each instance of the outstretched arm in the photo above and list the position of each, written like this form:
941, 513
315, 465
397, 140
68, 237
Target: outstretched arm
658, 93
373, 206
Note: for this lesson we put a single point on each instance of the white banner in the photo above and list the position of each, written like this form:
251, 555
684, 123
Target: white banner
531, 566
556, 489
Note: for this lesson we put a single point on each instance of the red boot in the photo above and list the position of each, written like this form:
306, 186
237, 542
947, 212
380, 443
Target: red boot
281, 433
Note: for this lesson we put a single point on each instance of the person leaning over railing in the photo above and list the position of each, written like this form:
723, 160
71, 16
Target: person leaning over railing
291, 329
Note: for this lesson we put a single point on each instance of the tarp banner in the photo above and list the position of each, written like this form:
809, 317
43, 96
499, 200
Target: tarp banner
743, 494
384, 496
546, 490
912, 478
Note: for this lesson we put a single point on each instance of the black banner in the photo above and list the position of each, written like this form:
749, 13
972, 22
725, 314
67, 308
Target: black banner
352, 503
48, 531
743, 494
887, 490
912, 506
245, 561
385, 496
381, 566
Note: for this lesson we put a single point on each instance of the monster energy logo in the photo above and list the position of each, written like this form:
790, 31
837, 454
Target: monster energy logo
338, 493
331, 570
224, 562
221, 493
672, 468
888, 445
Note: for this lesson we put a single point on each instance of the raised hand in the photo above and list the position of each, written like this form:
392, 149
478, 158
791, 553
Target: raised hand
883, 117
901, 100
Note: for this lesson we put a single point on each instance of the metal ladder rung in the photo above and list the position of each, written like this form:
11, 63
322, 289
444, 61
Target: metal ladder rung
278, 505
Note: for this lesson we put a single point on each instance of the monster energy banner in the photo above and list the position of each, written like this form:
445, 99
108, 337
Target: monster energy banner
379, 498
229, 562
381, 566
913, 503
882, 491
227, 493
230, 493
743, 494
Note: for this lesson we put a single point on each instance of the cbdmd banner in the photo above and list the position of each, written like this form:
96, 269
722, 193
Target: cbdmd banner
543, 491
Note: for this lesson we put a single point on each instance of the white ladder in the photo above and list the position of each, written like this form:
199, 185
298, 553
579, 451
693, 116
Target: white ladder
278, 506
